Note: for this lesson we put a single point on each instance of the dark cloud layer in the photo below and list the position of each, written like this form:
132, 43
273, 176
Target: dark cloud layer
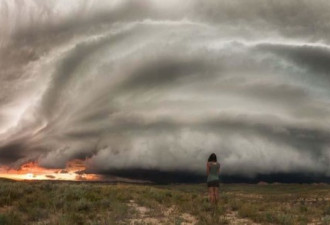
314, 58
156, 86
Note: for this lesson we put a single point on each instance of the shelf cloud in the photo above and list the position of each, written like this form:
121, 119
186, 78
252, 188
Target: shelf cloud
154, 85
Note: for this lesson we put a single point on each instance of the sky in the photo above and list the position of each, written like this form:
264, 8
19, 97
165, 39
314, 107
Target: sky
160, 85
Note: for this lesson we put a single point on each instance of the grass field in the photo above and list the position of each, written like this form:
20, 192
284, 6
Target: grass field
67, 203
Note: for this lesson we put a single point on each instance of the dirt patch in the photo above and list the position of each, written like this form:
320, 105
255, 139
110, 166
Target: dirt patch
5, 209
316, 222
140, 209
233, 219
188, 219
167, 216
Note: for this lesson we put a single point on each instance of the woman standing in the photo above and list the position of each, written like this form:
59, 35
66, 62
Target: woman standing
213, 170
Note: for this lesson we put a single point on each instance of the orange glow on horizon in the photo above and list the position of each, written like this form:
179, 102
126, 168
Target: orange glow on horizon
74, 171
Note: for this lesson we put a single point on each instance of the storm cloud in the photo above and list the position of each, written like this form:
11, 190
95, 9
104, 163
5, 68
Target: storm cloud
159, 85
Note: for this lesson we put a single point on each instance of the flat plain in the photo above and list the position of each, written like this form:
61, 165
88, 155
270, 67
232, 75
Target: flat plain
69, 203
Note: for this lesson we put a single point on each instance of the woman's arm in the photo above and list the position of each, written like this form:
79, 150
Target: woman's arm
207, 169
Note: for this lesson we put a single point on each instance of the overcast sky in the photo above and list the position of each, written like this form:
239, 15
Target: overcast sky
162, 84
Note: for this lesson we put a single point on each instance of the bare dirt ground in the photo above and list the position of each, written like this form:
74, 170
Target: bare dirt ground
168, 216
233, 219
5, 209
172, 216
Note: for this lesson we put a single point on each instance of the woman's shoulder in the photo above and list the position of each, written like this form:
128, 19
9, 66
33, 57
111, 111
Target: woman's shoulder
213, 163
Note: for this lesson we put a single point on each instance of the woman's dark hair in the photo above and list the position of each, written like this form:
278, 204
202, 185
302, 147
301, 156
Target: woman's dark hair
212, 158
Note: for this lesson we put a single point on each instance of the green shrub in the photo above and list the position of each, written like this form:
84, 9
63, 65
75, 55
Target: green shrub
82, 205
11, 218
326, 220
284, 219
247, 210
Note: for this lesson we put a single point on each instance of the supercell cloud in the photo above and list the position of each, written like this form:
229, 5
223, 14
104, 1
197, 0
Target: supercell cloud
159, 85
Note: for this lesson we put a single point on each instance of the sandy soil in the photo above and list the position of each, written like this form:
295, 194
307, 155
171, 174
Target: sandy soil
233, 219
166, 217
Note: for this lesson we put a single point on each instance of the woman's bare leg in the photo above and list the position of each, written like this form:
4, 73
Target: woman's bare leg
211, 196
216, 194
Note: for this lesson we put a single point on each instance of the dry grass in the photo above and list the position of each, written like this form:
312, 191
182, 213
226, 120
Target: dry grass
90, 203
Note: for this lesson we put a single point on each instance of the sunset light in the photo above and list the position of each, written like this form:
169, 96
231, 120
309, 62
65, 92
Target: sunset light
29, 176
74, 171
